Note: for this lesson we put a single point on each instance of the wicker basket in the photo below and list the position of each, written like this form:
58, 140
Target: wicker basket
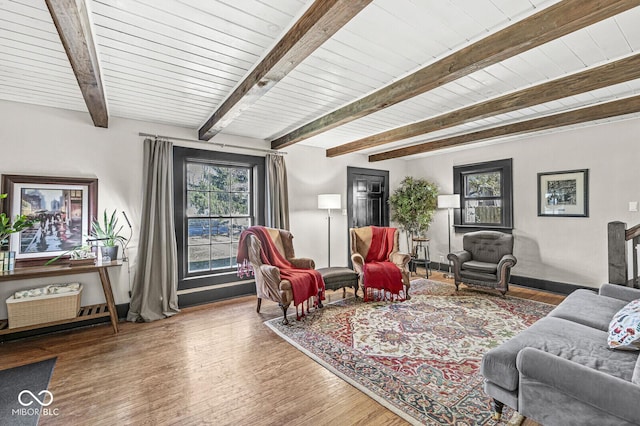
43, 309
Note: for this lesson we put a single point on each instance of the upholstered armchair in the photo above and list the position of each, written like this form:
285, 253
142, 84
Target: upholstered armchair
269, 285
485, 261
361, 239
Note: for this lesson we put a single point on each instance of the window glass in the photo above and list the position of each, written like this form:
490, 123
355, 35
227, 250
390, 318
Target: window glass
218, 210
486, 200
483, 184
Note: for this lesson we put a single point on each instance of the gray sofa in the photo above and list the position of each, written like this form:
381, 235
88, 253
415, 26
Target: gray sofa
560, 370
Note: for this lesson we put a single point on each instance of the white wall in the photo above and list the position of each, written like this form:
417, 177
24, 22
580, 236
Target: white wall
46, 141
311, 173
569, 250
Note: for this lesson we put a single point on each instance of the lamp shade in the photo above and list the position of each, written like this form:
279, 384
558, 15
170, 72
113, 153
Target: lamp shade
449, 201
329, 201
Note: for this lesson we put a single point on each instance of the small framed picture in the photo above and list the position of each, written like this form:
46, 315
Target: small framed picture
564, 193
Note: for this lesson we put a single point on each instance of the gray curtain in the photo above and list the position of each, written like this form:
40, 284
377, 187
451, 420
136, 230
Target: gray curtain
154, 292
277, 197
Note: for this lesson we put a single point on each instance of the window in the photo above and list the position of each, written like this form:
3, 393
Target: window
486, 198
216, 196
218, 210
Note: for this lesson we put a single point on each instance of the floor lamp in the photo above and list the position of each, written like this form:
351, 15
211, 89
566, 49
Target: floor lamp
328, 202
449, 202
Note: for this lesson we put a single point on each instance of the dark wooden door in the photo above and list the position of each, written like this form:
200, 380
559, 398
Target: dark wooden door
368, 195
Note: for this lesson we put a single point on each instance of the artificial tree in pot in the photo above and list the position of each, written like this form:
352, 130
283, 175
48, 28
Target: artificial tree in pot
107, 233
413, 204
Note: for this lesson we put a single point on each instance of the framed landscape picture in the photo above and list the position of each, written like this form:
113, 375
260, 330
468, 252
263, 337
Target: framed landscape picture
61, 207
564, 193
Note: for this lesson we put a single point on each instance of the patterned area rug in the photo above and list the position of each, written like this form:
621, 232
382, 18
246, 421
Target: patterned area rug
419, 358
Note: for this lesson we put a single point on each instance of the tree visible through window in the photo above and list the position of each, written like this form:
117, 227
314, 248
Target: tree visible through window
486, 195
219, 208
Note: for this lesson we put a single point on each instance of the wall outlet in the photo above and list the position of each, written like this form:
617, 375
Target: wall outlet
633, 206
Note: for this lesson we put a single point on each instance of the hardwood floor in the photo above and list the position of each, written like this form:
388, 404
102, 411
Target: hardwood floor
213, 364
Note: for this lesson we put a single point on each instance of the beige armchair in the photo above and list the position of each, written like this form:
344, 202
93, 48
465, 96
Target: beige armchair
269, 284
486, 260
361, 239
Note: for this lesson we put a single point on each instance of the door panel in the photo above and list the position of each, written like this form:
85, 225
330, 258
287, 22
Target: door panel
367, 196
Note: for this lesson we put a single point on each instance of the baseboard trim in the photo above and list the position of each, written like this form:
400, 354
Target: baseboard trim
121, 309
529, 282
215, 294
545, 285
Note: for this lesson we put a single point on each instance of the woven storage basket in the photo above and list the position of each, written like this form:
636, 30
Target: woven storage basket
43, 309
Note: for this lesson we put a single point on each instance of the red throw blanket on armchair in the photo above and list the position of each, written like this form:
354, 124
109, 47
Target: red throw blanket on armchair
379, 272
305, 283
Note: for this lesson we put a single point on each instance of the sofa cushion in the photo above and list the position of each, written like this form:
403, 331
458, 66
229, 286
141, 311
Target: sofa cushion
624, 329
588, 308
566, 339
482, 267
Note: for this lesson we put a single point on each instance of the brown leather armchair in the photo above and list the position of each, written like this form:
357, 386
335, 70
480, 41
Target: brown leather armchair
486, 260
361, 243
269, 285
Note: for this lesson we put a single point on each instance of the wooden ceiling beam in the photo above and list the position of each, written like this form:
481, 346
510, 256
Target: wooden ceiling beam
71, 19
553, 22
321, 21
591, 79
582, 115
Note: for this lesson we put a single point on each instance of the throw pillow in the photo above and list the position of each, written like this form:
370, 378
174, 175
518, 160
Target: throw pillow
624, 328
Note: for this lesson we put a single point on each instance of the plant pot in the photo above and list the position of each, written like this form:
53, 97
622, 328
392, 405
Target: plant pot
111, 252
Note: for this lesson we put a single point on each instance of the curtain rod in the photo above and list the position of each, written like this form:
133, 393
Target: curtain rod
221, 145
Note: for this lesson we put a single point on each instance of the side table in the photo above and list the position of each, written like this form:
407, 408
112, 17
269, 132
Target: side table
107, 309
420, 255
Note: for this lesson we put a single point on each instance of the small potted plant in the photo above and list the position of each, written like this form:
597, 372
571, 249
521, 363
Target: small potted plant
107, 233
7, 227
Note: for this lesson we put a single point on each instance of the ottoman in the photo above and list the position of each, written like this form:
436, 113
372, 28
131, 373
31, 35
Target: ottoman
339, 277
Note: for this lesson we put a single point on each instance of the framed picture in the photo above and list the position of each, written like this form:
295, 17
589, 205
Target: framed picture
63, 209
564, 193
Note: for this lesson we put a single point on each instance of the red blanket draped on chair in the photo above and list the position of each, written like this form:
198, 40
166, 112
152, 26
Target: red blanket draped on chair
305, 283
379, 272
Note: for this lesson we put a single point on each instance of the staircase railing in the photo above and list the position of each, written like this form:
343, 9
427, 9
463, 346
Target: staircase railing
619, 237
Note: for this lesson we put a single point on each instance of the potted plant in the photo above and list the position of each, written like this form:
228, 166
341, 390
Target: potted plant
107, 232
7, 227
412, 206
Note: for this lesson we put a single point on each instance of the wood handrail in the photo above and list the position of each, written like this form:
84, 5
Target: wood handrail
632, 233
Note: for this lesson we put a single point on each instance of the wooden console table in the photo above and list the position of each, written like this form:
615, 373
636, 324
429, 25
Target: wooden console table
107, 309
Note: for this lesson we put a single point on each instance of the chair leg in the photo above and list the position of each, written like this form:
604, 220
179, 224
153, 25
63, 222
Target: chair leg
344, 292
285, 320
497, 409
259, 305
457, 285
320, 305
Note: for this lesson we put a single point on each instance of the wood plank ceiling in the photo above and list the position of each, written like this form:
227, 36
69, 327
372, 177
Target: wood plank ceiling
177, 61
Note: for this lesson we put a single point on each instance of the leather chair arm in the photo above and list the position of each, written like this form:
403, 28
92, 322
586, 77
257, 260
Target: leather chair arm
302, 263
459, 257
507, 261
270, 273
400, 259
358, 262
